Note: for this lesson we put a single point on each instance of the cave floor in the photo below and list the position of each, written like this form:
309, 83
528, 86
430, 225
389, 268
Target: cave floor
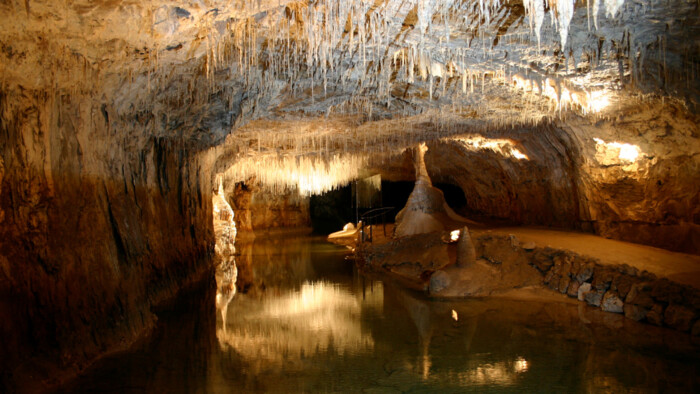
678, 267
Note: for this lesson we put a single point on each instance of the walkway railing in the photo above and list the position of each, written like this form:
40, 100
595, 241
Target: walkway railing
373, 217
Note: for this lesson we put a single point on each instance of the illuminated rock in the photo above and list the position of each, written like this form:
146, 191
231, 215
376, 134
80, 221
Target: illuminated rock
426, 210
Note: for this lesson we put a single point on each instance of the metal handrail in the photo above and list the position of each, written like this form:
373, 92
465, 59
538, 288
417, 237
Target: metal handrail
368, 218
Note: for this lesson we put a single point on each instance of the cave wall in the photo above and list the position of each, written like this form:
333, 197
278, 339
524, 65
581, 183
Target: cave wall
96, 227
540, 190
654, 200
574, 177
260, 210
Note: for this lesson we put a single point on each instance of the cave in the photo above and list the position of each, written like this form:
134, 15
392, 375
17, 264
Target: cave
515, 184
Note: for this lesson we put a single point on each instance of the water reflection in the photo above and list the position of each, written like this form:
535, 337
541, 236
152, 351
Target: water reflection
319, 317
308, 314
224, 250
304, 320
226, 276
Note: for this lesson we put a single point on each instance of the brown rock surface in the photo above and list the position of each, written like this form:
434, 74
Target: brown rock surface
114, 118
94, 231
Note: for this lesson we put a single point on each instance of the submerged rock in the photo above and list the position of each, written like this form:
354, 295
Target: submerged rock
582, 290
612, 303
593, 297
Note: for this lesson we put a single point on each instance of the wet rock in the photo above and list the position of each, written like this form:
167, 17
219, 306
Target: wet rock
563, 285
439, 281
583, 289
572, 290
602, 278
635, 312
542, 260
666, 291
622, 284
593, 297
612, 302
576, 266
551, 278
628, 270
640, 294
692, 298
647, 276
656, 315
412, 257
679, 317
562, 264
585, 272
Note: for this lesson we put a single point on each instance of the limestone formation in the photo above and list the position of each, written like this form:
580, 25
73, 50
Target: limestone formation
466, 254
116, 117
426, 210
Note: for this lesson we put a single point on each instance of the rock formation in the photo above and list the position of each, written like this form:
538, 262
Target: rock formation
116, 117
466, 254
224, 252
426, 210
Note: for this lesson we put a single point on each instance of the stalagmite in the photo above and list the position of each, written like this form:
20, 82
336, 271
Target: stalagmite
466, 254
426, 210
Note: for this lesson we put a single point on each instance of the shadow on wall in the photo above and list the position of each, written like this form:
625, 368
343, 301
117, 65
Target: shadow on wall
454, 196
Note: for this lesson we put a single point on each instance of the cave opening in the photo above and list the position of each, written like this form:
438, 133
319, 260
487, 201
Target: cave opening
331, 210
454, 196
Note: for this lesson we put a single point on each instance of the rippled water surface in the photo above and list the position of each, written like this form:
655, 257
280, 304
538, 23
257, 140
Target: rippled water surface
304, 320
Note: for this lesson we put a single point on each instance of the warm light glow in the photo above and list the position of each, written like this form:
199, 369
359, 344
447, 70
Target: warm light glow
454, 315
629, 152
520, 365
564, 93
308, 174
454, 235
502, 146
609, 151
518, 155
319, 316
598, 101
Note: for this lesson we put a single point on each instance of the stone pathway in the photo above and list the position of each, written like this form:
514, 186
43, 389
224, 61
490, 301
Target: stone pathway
678, 267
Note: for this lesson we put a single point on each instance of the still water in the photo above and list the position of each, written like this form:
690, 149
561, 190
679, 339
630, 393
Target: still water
304, 320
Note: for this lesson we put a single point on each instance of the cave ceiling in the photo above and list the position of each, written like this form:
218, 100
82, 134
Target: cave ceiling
274, 75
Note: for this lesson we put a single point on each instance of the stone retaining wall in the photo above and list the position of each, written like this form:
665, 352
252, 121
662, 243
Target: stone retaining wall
639, 295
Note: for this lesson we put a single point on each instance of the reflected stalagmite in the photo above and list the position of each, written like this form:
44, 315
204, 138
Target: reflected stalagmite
226, 270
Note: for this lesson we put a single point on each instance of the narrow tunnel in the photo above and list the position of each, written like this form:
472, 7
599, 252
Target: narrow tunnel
349, 196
